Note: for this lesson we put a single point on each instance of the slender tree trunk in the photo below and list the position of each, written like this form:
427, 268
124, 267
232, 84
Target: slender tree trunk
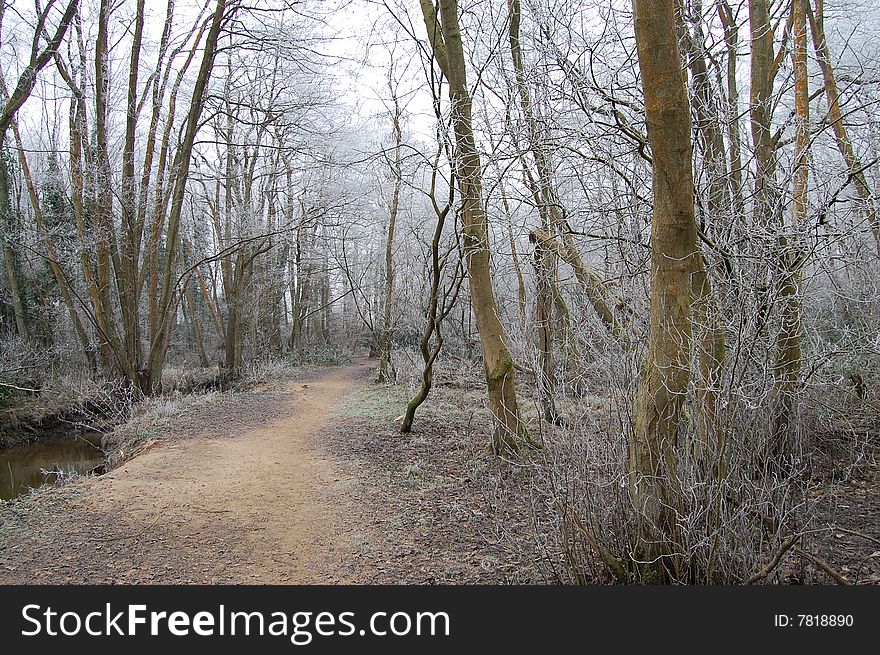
438, 308
708, 332
325, 293
708, 127
302, 291
127, 262
767, 199
196, 326
763, 74
867, 203
510, 432
386, 366
520, 281
80, 158
433, 323
548, 201
167, 304
54, 261
789, 349
232, 363
164, 180
543, 323
106, 249
731, 42
279, 304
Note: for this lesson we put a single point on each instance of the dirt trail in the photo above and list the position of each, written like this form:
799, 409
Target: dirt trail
262, 506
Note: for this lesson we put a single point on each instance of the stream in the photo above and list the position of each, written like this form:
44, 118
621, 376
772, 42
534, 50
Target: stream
42, 462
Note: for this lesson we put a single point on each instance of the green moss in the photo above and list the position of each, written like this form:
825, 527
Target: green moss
502, 369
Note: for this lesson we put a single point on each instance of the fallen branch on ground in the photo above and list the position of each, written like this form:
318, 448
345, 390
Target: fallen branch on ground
825, 566
774, 561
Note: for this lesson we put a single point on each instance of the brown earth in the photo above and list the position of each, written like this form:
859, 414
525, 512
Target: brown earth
243, 497
310, 481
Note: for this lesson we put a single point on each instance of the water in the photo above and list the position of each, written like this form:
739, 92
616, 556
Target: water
20, 466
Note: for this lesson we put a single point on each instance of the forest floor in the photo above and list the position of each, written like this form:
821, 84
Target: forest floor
307, 479
235, 492
304, 481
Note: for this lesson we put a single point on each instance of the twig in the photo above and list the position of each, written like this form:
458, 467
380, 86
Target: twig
825, 566
858, 534
12, 386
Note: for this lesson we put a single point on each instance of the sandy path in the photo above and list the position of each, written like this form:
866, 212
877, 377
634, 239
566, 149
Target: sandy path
270, 493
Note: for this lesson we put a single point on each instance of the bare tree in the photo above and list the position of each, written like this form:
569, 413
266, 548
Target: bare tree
675, 258
444, 35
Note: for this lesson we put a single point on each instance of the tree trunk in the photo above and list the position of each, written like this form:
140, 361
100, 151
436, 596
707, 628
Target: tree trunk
708, 332
675, 257
301, 291
788, 356
543, 323
54, 261
763, 73
547, 198
386, 366
325, 294
510, 433
438, 308
106, 248
731, 42
11, 265
867, 204
168, 293
514, 254
127, 262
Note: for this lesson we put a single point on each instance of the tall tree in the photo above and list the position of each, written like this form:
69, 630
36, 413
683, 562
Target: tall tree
386, 334
675, 258
444, 34
40, 55
169, 294
789, 348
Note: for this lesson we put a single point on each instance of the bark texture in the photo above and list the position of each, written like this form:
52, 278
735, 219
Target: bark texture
675, 258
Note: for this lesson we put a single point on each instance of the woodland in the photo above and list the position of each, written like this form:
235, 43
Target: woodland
622, 257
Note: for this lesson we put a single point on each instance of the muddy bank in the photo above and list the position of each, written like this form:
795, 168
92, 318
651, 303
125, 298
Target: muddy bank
22, 426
